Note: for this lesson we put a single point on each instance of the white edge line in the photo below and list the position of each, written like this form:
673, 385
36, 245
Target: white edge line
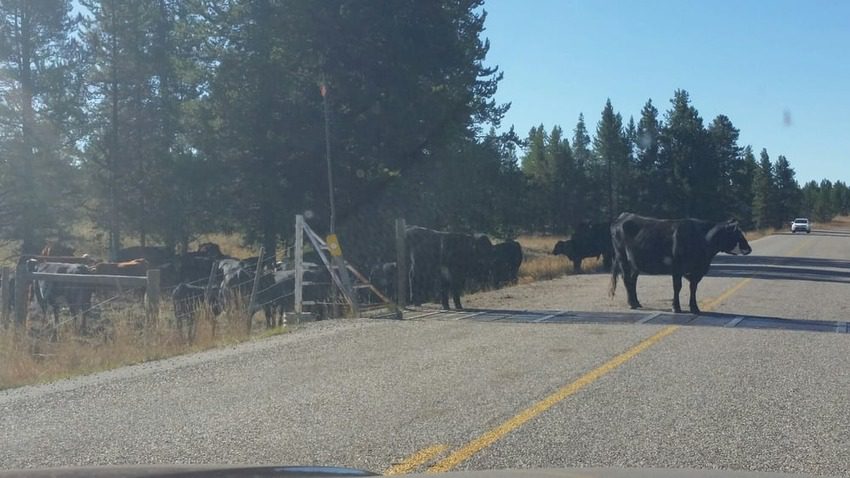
547, 317
649, 317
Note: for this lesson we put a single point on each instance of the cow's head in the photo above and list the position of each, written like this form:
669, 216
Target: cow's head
729, 238
564, 248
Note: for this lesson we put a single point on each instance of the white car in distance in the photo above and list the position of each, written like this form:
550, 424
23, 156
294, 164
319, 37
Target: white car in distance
801, 224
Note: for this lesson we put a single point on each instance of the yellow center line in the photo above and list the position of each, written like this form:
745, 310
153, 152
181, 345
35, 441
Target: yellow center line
415, 460
713, 303
493, 435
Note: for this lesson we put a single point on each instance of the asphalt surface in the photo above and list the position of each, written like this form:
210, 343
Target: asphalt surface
371, 393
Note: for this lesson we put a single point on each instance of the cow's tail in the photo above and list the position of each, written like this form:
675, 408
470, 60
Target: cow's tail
615, 271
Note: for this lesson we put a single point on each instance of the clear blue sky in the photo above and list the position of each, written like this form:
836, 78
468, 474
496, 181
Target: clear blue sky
750, 60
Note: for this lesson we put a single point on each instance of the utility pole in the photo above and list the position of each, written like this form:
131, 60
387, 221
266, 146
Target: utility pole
324, 90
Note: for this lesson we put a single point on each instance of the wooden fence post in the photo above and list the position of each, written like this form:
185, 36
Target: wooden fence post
401, 263
299, 267
5, 295
21, 303
257, 273
152, 296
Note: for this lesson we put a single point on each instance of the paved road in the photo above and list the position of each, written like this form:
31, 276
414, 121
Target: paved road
575, 382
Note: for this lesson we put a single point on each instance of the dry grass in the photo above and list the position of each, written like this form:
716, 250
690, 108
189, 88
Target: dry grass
27, 357
838, 222
539, 263
759, 233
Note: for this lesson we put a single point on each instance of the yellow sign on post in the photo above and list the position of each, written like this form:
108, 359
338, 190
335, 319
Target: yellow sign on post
333, 246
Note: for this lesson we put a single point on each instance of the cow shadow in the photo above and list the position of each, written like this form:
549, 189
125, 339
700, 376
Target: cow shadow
817, 232
781, 268
646, 317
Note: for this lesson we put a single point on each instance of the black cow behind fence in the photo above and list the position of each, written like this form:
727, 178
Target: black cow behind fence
507, 259
236, 281
384, 277
276, 293
590, 239
440, 263
50, 294
681, 248
187, 299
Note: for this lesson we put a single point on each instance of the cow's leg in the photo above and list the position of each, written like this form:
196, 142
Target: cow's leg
457, 290
693, 283
606, 262
677, 286
630, 282
445, 287
54, 334
577, 265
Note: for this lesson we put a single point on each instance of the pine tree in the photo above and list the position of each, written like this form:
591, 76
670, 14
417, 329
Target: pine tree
588, 197
563, 181
723, 138
686, 162
764, 194
610, 153
788, 197
742, 187
41, 117
650, 184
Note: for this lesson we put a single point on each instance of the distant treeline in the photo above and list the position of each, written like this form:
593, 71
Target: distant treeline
165, 120
675, 167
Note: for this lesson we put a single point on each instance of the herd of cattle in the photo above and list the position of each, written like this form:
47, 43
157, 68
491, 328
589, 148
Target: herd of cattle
441, 265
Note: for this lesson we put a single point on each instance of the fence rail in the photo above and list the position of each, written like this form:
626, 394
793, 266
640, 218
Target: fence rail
23, 277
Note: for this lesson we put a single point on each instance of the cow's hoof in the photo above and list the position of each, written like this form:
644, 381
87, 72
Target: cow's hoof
695, 310
635, 306
677, 310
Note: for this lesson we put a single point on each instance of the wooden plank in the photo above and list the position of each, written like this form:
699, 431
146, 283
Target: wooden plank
299, 267
59, 259
401, 263
21, 306
366, 284
91, 279
5, 295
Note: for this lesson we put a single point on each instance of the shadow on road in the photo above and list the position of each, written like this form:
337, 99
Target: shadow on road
781, 268
816, 232
643, 317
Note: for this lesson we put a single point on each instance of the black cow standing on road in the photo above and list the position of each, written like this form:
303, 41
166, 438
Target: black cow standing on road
683, 247
48, 293
591, 239
441, 262
507, 258
480, 277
